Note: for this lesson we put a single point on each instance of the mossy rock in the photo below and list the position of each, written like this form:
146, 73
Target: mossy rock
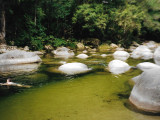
104, 48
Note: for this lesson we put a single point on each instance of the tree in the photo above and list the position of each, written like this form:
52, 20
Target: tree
127, 23
91, 18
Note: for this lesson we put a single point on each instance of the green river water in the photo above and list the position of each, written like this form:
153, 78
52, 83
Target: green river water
98, 95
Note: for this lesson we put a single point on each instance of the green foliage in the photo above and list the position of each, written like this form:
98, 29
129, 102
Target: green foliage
126, 23
91, 17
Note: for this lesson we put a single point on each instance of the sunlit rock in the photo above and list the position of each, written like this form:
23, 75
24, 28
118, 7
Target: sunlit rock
157, 56
82, 56
104, 55
118, 67
18, 57
146, 66
121, 55
142, 52
145, 94
85, 51
73, 68
63, 52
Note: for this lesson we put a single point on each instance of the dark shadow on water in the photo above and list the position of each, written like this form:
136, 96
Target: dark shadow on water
131, 107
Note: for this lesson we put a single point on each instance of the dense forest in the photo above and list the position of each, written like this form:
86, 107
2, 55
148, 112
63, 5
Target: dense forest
36, 23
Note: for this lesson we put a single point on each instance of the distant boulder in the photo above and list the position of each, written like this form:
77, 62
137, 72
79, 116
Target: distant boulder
142, 52
18, 57
82, 56
63, 52
80, 46
118, 67
145, 94
121, 55
73, 68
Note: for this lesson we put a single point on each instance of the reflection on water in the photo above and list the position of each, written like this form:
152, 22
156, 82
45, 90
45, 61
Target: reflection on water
97, 95
18, 68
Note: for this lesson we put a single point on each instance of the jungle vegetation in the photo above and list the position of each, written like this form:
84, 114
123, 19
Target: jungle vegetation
36, 23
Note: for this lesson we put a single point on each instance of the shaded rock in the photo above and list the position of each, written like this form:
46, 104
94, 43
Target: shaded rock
118, 67
121, 55
146, 66
145, 94
142, 52
48, 48
73, 68
94, 42
18, 57
82, 56
80, 47
157, 56
63, 52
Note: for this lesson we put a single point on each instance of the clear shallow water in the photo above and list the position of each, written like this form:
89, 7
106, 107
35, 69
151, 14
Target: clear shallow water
98, 95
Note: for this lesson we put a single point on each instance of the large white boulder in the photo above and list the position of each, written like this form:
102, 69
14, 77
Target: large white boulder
157, 56
145, 94
18, 57
121, 55
82, 56
146, 66
63, 52
118, 67
142, 52
74, 68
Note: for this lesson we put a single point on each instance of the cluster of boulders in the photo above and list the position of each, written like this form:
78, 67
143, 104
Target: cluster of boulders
146, 91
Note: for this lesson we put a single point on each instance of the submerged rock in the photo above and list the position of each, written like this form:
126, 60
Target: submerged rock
82, 56
18, 57
146, 66
145, 94
118, 67
73, 68
63, 52
142, 52
157, 56
121, 55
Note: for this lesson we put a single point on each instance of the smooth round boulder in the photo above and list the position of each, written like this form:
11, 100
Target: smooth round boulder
74, 68
146, 66
82, 56
145, 94
142, 52
121, 55
118, 67
18, 57
157, 56
63, 52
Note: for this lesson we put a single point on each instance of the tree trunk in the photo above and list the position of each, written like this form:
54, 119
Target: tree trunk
2, 25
